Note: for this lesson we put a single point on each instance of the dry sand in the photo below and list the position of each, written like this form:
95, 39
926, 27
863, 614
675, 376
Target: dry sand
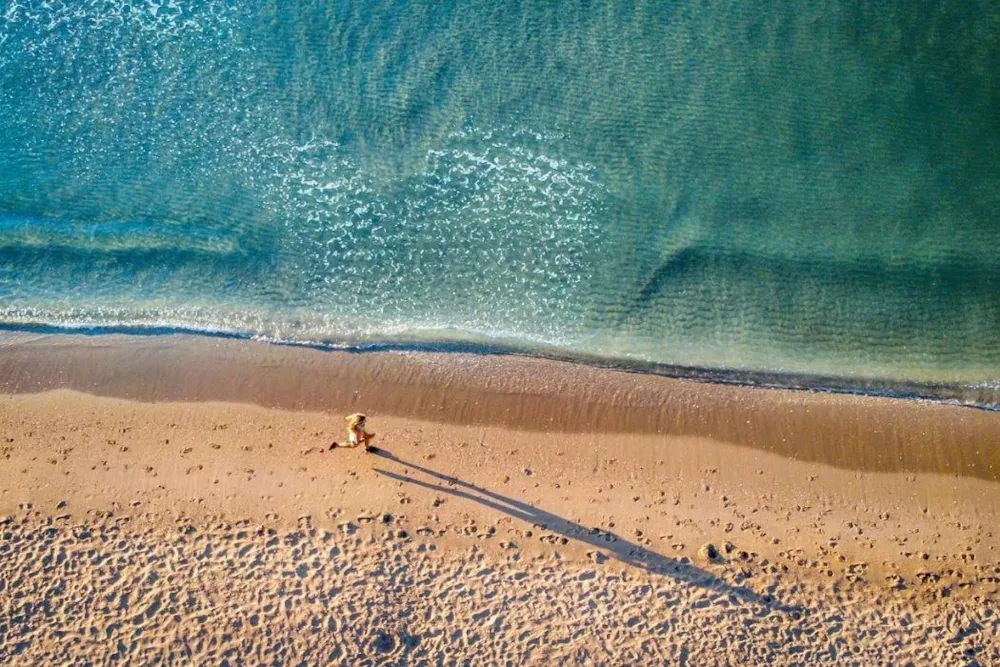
188, 509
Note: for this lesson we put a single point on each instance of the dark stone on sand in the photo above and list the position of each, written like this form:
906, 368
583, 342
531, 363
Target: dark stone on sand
708, 553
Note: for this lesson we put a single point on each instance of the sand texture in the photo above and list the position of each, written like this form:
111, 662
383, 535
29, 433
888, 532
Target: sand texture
98, 591
211, 532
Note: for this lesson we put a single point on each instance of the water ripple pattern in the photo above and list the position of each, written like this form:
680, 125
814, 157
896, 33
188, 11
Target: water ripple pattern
744, 186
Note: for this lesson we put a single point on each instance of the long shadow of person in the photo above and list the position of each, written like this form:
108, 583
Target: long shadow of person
621, 549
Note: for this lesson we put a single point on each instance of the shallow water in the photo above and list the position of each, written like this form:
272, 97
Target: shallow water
748, 186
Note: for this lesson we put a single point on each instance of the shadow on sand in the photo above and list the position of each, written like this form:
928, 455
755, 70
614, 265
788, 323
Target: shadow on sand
605, 541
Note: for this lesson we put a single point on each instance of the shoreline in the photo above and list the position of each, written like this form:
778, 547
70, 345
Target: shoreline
975, 395
854, 432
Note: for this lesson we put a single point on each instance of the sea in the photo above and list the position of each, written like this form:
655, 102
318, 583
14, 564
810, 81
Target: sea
764, 191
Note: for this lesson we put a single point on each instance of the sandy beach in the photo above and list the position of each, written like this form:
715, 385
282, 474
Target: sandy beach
176, 499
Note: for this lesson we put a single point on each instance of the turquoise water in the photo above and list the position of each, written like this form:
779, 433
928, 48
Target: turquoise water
796, 189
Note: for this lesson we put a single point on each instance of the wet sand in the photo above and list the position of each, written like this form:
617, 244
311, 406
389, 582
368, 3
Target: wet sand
177, 497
